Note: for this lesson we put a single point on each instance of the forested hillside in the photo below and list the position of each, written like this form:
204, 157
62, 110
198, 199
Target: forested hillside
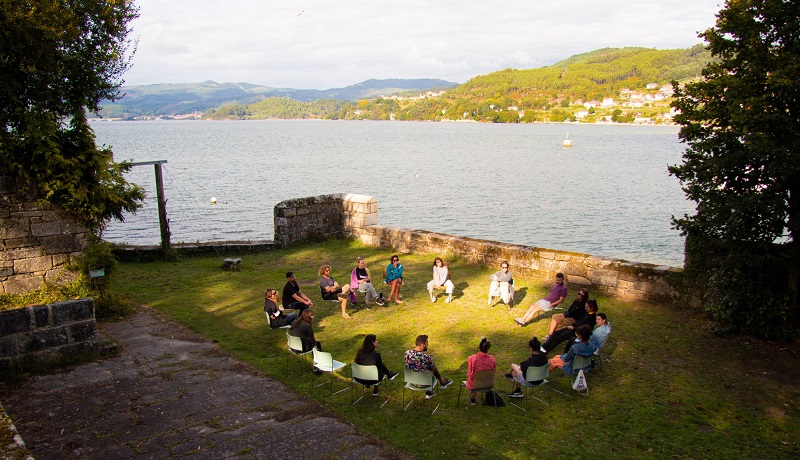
611, 85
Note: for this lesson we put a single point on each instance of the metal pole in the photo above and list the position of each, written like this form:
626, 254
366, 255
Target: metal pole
162, 211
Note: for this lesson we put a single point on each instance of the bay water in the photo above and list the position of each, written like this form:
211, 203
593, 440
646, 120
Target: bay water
609, 195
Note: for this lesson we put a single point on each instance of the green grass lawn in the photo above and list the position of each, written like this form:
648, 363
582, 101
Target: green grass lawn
670, 388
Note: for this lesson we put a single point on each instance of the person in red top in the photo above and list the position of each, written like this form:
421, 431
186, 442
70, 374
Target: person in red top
480, 361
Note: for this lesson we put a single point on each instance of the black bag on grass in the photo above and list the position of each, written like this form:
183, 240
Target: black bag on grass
493, 399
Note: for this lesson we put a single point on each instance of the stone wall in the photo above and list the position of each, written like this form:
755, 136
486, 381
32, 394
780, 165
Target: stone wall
322, 217
45, 332
359, 215
36, 242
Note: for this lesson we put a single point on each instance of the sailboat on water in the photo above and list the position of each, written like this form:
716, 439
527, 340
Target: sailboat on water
567, 141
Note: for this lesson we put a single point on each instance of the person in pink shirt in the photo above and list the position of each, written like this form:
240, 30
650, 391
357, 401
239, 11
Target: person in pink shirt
480, 361
556, 297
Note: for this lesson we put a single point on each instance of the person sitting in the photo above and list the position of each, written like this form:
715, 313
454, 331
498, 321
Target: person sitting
277, 317
331, 290
367, 356
575, 312
518, 371
600, 333
303, 329
292, 297
556, 296
480, 361
394, 278
419, 360
568, 332
441, 279
502, 284
361, 280
582, 347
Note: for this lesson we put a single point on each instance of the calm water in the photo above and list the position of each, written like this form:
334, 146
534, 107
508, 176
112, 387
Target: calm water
609, 195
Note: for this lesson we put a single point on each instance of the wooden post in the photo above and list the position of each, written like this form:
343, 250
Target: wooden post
166, 247
162, 211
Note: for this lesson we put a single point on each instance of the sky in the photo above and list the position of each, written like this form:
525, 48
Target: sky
323, 44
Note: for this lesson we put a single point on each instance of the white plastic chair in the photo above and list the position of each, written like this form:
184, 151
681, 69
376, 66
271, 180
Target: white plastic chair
419, 381
325, 362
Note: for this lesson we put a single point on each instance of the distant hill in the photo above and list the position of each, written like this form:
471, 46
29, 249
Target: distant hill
182, 98
621, 85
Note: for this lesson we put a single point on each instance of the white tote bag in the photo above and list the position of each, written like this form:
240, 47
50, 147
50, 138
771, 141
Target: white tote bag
580, 382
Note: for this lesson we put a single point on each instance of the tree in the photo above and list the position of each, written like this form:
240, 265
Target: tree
59, 59
742, 164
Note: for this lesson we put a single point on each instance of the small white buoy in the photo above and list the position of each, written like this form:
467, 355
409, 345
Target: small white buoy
213, 200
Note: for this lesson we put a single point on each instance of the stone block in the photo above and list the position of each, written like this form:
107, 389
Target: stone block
46, 229
21, 214
23, 253
71, 311
77, 349
84, 331
6, 268
41, 315
33, 264
20, 243
8, 346
60, 244
603, 277
70, 227
15, 321
14, 228
43, 339
20, 284
232, 264
60, 259
579, 280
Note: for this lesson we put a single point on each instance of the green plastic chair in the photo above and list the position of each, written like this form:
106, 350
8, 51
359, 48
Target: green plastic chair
358, 371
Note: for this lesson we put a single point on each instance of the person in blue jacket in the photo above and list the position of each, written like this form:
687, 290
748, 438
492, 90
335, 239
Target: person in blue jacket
394, 278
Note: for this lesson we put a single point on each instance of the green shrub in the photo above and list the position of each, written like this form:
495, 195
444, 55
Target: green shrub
745, 286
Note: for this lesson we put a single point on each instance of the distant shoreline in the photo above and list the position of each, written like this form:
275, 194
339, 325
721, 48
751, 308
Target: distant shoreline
118, 120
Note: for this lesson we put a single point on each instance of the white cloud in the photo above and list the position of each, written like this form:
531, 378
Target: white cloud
323, 44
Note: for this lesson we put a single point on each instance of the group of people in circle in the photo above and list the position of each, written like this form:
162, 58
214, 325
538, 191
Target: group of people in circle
581, 326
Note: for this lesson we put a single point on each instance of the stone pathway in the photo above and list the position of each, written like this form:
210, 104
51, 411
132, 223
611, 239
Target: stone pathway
171, 393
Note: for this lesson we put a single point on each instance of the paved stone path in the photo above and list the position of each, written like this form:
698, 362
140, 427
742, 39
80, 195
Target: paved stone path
171, 393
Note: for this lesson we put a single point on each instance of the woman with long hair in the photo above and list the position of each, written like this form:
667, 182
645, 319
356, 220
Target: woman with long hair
303, 328
331, 290
273, 308
367, 356
441, 278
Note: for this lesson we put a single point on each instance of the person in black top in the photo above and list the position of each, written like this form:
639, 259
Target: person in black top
292, 297
568, 332
536, 359
367, 356
302, 328
575, 312
277, 318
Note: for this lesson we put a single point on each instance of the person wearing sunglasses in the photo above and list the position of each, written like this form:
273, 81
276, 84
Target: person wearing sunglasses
575, 312
502, 284
394, 278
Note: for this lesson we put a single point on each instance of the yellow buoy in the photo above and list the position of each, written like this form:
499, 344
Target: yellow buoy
213, 200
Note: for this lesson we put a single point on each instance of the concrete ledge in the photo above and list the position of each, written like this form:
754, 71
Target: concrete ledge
145, 253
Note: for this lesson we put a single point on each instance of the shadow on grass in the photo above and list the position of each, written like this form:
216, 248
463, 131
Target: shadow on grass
657, 394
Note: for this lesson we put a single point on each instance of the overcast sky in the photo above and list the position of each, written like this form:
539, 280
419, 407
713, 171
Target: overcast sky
321, 44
